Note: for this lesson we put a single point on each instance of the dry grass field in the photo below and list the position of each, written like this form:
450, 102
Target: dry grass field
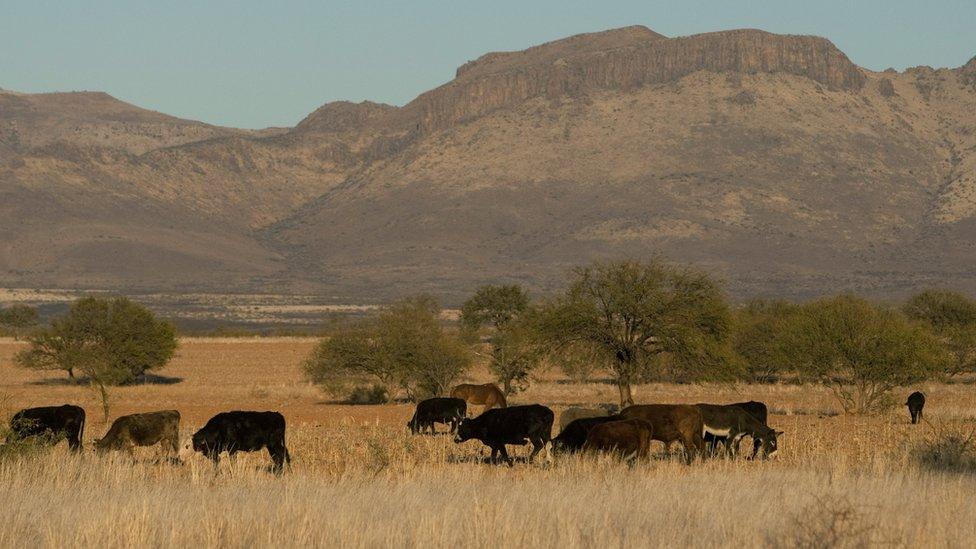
358, 479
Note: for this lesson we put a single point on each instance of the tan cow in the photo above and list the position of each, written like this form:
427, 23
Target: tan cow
488, 395
144, 429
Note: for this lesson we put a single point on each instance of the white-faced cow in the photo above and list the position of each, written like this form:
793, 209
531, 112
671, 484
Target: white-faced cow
55, 422
513, 425
759, 410
144, 429
733, 422
238, 431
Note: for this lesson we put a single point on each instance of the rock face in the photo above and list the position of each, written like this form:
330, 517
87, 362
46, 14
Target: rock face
625, 59
770, 160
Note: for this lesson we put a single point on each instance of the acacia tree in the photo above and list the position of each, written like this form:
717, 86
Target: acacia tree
635, 312
18, 318
952, 317
862, 351
515, 349
405, 346
110, 341
761, 338
494, 306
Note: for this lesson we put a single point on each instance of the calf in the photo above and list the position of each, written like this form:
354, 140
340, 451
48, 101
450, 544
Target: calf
573, 413
514, 425
144, 429
487, 394
915, 403
573, 436
757, 409
733, 423
630, 438
672, 422
234, 432
437, 410
58, 422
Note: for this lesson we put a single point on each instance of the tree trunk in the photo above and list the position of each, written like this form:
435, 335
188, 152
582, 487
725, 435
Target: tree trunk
507, 386
71, 373
626, 394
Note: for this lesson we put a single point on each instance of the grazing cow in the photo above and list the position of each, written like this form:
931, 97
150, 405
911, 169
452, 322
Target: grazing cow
234, 432
58, 422
145, 429
630, 438
573, 436
915, 403
757, 409
734, 422
488, 395
573, 413
515, 425
440, 410
672, 422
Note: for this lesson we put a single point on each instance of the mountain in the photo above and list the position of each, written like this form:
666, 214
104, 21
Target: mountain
771, 160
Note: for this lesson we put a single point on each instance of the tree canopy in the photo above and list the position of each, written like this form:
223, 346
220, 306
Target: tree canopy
405, 346
952, 316
633, 313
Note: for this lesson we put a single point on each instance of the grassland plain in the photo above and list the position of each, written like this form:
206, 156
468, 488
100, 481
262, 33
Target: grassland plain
359, 480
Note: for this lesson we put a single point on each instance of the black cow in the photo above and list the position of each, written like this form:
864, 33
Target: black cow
437, 410
915, 403
758, 410
237, 431
732, 422
58, 422
513, 425
571, 438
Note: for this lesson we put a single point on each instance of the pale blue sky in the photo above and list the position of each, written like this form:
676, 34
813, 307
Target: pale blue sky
264, 63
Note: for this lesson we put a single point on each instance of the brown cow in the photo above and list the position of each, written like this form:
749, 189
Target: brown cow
630, 438
488, 395
672, 422
145, 429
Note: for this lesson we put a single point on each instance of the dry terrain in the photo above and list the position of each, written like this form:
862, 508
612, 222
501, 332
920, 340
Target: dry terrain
358, 479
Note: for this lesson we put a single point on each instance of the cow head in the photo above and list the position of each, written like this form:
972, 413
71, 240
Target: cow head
204, 442
769, 443
465, 431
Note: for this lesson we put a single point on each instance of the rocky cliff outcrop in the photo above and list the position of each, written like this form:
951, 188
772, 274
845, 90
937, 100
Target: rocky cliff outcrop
623, 59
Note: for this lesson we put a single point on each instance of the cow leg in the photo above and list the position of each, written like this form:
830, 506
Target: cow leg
537, 445
506, 457
277, 453
494, 454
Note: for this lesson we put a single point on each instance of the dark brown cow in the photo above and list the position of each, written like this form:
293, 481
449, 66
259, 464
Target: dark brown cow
670, 423
629, 438
55, 422
145, 429
488, 395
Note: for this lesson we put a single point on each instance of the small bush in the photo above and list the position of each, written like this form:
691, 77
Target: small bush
829, 522
947, 449
373, 394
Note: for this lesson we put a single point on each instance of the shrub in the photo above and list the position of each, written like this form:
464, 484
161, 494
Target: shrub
374, 394
405, 347
952, 317
862, 351
947, 449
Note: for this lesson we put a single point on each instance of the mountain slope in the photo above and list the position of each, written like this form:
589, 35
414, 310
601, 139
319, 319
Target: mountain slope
771, 160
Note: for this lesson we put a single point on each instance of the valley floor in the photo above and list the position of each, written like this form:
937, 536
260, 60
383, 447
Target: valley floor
360, 480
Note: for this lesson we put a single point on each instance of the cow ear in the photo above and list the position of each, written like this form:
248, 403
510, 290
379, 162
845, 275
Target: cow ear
779, 433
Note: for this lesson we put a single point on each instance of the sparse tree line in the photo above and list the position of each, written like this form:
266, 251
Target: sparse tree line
634, 322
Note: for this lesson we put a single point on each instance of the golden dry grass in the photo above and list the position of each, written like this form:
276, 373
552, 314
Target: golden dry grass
358, 479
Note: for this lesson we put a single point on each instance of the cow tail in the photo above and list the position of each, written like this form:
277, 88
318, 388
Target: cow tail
81, 433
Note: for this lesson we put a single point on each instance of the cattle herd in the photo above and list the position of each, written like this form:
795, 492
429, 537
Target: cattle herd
699, 428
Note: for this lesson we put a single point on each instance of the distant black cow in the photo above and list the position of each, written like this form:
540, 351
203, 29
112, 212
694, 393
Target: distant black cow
437, 410
915, 403
234, 432
58, 422
571, 438
512, 425
757, 409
